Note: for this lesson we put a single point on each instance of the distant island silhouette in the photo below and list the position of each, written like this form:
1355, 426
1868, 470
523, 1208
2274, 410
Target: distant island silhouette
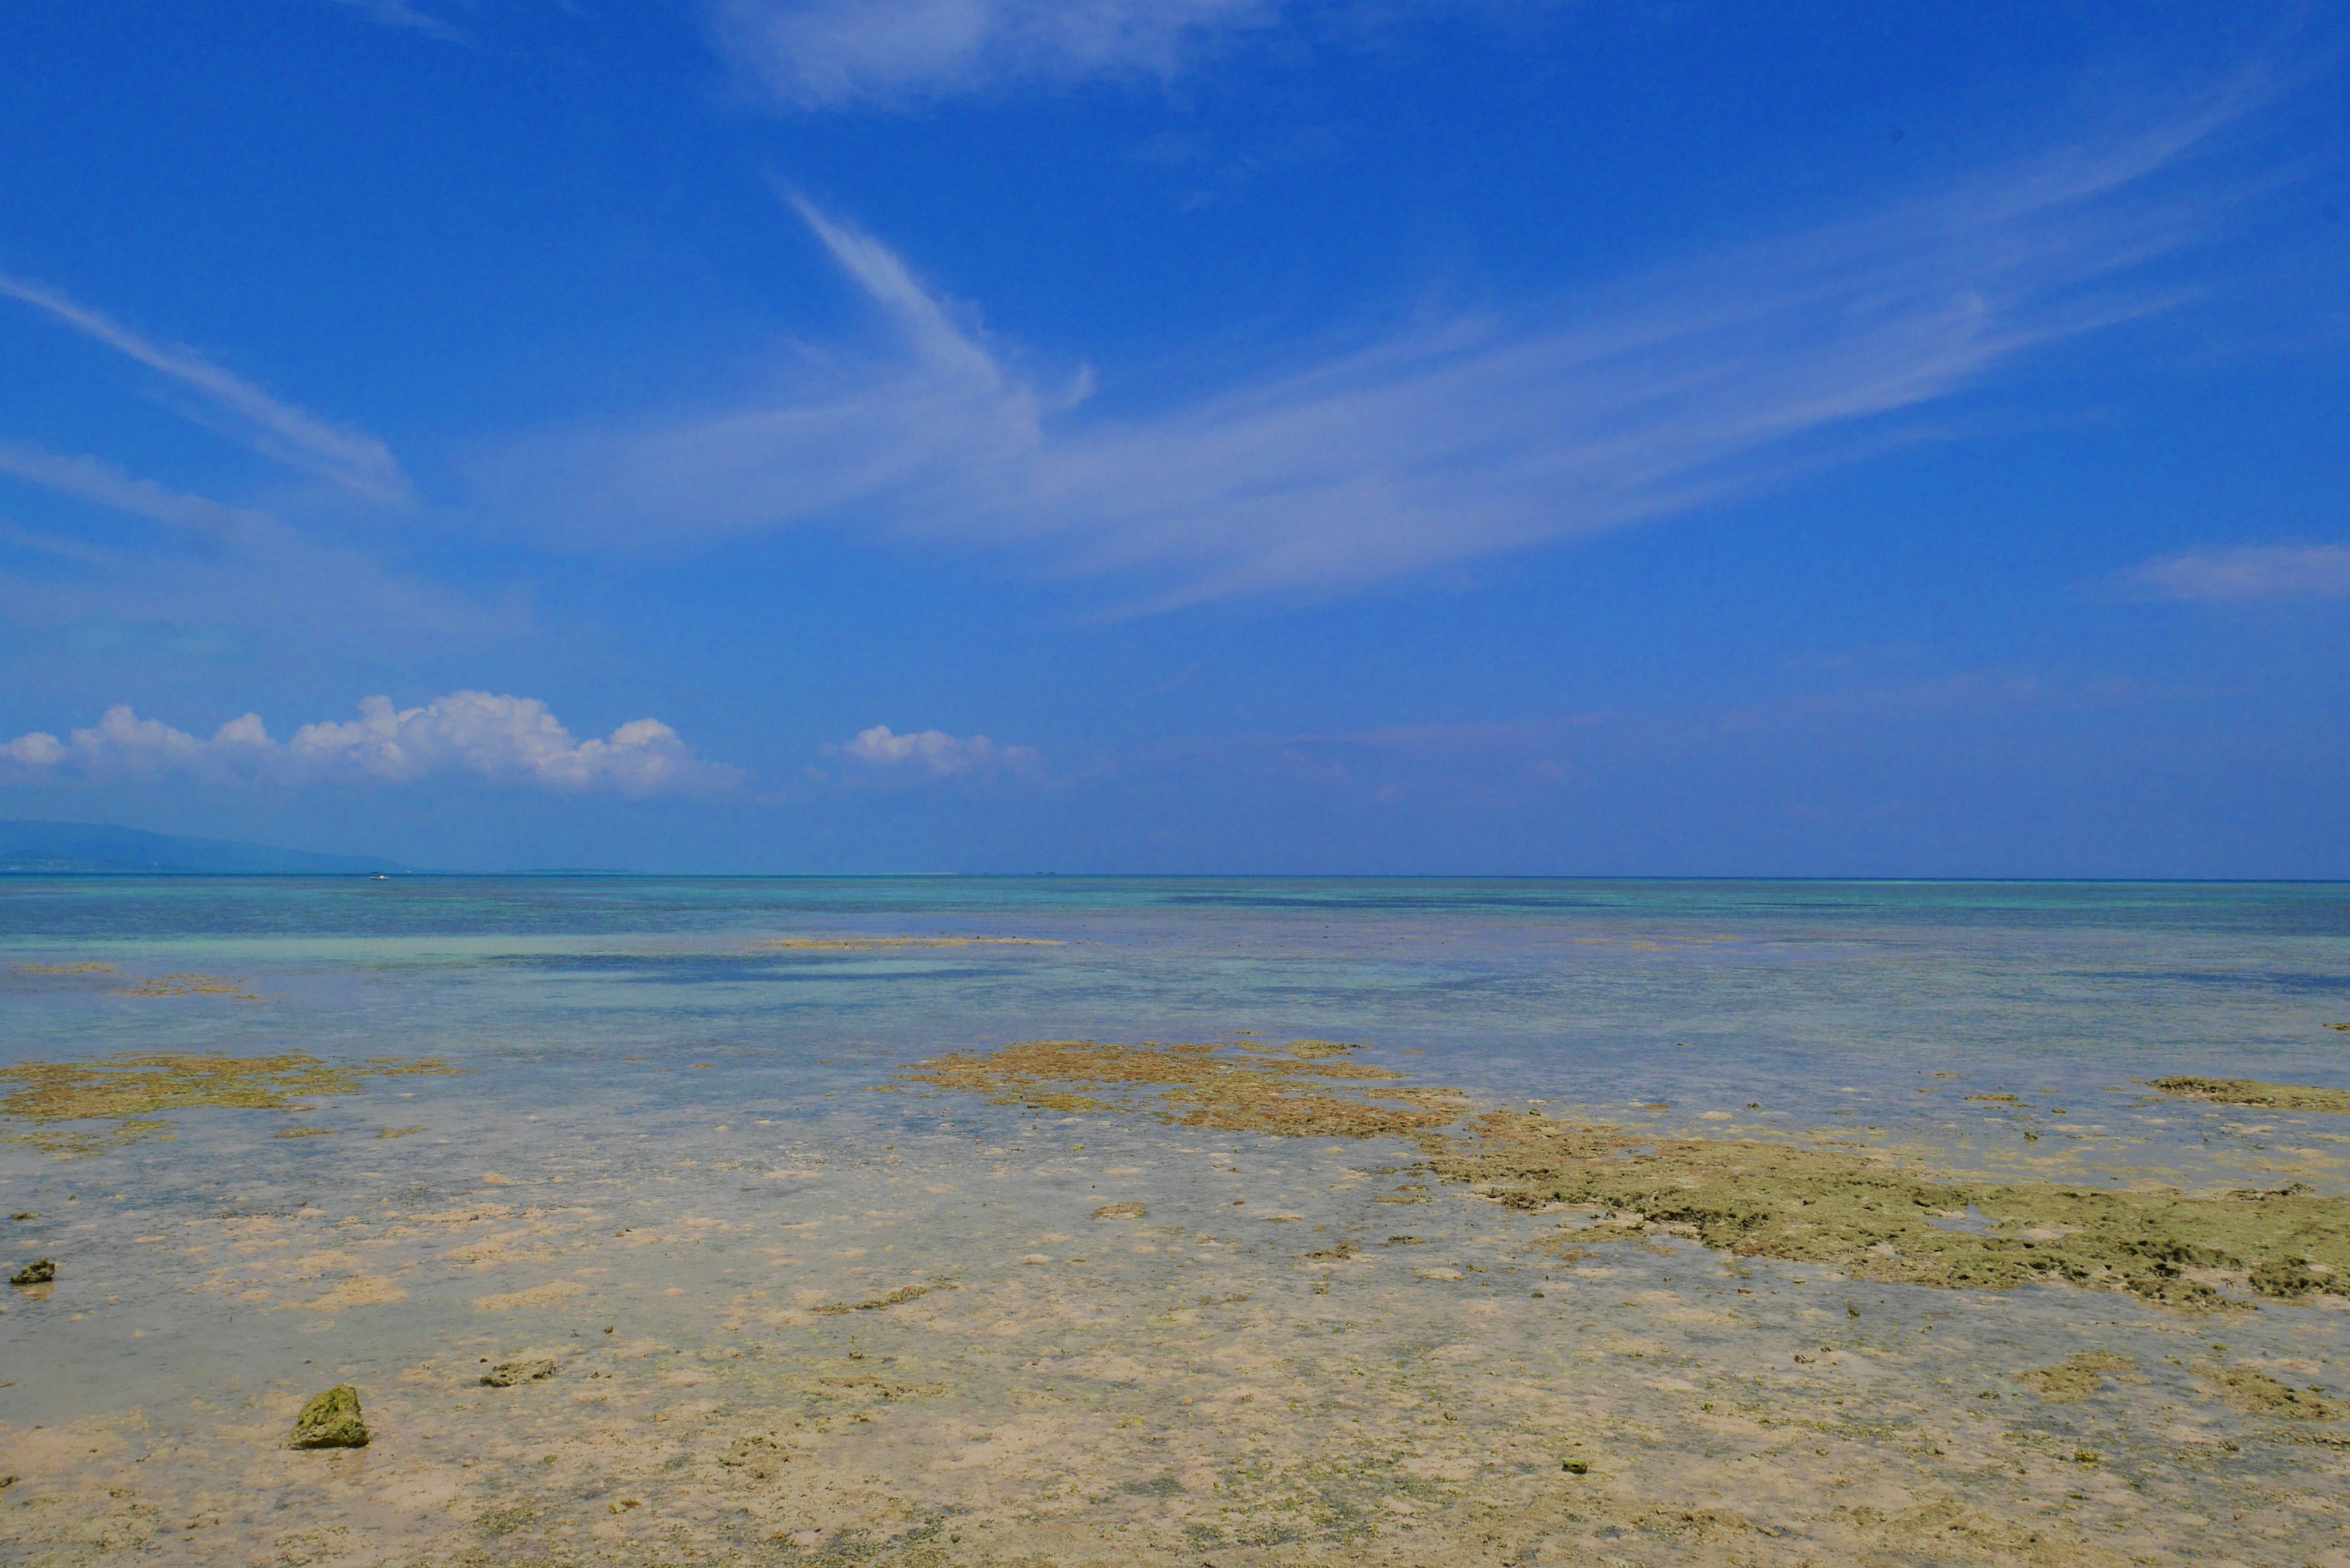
98, 848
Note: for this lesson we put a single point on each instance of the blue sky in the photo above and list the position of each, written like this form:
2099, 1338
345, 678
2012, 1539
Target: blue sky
1198, 435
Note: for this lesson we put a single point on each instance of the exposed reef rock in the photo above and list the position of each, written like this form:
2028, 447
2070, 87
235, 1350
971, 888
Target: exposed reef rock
330, 1420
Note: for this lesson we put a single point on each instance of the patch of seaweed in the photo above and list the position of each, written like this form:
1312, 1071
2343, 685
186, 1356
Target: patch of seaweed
1874, 1221
2076, 1377
1233, 1086
871, 944
2258, 1394
64, 969
2252, 1092
898, 1297
130, 1090
188, 986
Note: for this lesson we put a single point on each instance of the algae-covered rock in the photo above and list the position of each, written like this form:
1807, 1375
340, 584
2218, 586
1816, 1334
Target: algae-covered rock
330, 1420
39, 1271
2252, 1092
1121, 1212
1876, 1221
2287, 1277
506, 1373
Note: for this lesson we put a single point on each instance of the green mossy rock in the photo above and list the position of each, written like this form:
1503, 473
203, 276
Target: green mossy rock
39, 1271
330, 1420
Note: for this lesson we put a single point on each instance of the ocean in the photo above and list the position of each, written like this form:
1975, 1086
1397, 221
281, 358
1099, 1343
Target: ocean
1348, 1221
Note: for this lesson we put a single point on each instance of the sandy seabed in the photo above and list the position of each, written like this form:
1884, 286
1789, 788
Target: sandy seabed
991, 1319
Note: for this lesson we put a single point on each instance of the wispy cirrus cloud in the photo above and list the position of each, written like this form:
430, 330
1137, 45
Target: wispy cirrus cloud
2243, 573
496, 739
828, 53
221, 564
354, 460
1446, 441
401, 14
102, 484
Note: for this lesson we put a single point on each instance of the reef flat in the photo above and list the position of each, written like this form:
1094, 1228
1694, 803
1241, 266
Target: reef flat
1499, 1233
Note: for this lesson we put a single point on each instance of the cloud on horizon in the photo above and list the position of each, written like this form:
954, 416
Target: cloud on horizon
498, 739
2245, 573
1445, 442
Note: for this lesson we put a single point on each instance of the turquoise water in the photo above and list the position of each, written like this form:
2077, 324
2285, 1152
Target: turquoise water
1819, 1000
1554, 981
665, 1130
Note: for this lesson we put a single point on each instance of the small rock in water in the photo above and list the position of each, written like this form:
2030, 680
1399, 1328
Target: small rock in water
506, 1373
1576, 1467
39, 1271
1121, 1212
330, 1420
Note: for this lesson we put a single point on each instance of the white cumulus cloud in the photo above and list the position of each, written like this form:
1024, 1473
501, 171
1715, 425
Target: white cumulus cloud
933, 751
2244, 573
499, 739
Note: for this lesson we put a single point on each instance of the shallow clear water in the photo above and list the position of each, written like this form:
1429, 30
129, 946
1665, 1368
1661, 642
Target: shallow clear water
668, 1133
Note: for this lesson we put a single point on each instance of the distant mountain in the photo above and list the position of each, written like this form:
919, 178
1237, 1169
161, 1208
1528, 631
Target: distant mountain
91, 848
